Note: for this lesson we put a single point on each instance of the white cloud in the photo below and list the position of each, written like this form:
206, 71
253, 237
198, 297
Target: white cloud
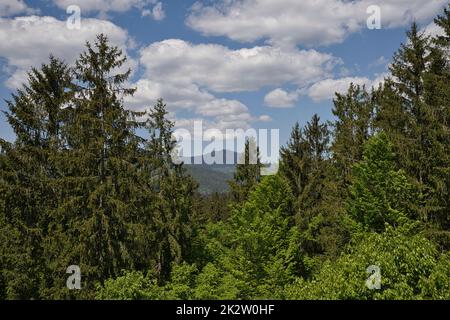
280, 98
189, 97
326, 89
103, 5
223, 108
28, 41
186, 96
14, 7
152, 8
321, 90
289, 22
22, 50
190, 76
157, 13
265, 118
221, 69
380, 62
222, 113
433, 30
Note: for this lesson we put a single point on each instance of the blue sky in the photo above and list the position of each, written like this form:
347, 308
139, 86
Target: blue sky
233, 64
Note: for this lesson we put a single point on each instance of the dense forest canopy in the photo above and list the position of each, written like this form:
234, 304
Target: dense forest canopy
367, 191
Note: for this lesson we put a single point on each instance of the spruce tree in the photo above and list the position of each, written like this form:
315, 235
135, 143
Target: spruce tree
294, 161
98, 189
443, 21
408, 70
437, 98
304, 163
28, 177
318, 138
317, 142
318, 208
174, 189
352, 127
248, 172
413, 110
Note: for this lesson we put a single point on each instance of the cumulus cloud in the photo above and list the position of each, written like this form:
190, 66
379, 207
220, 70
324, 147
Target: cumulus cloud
380, 62
433, 30
264, 118
22, 49
14, 7
152, 8
190, 97
290, 22
157, 13
326, 89
177, 96
280, 98
221, 69
320, 91
190, 77
102, 5
221, 113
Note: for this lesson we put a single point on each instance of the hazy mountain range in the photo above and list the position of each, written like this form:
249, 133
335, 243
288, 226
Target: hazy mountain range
212, 177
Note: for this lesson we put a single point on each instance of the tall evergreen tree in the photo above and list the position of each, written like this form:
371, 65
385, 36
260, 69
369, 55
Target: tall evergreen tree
306, 165
408, 70
443, 21
28, 175
353, 126
98, 189
175, 191
248, 172
317, 139
437, 98
294, 163
413, 109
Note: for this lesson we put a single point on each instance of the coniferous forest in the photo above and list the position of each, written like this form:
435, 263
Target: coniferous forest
366, 191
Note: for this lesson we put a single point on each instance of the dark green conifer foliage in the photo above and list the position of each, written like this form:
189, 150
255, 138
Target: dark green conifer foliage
174, 189
306, 165
353, 126
304, 162
28, 177
408, 70
211, 207
98, 189
294, 161
443, 21
248, 172
413, 109
317, 138
437, 98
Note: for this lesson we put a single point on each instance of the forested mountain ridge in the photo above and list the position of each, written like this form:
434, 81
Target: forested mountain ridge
368, 191
212, 177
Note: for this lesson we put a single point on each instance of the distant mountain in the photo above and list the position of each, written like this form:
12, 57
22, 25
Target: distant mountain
213, 177
209, 180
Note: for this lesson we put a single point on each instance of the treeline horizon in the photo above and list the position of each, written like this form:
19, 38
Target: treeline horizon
366, 191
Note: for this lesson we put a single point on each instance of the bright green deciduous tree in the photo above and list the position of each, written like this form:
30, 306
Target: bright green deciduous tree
410, 267
260, 243
379, 194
